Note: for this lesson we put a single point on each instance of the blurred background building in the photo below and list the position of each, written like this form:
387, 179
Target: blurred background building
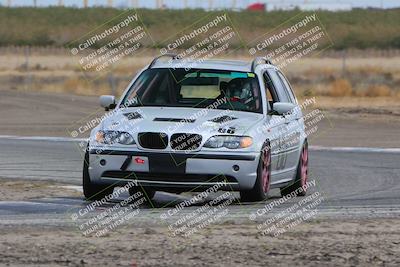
267, 5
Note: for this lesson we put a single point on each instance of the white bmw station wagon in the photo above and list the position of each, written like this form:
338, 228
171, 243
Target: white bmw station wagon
187, 126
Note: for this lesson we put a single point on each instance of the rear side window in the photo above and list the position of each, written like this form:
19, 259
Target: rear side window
288, 88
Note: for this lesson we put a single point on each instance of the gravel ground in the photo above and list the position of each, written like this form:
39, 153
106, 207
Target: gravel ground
17, 190
316, 243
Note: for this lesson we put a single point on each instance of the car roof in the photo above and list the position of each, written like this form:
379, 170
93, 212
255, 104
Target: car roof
215, 64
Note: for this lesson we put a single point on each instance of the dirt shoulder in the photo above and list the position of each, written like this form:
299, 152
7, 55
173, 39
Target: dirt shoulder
317, 243
349, 128
349, 121
18, 190
42, 114
358, 122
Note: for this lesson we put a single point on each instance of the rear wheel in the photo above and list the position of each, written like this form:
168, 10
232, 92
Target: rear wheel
93, 191
263, 182
301, 175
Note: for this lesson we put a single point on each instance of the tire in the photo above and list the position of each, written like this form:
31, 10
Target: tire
263, 182
301, 175
93, 191
148, 193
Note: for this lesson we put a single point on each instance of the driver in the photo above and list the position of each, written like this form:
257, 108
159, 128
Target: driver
239, 90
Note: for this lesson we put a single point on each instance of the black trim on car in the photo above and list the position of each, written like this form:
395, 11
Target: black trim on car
177, 156
169, 177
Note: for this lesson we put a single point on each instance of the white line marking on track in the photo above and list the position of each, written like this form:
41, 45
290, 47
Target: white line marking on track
72, 187
356, 149
43, 138
312, 148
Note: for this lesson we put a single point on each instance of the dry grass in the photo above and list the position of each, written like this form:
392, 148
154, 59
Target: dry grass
83, 87
327, 102
341, 87
335, 65
378, 91
311, 76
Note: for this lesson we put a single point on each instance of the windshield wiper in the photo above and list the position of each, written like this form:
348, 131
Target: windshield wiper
133, 105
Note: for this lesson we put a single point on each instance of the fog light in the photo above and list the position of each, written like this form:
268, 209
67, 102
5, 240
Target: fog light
102, 162
235, 168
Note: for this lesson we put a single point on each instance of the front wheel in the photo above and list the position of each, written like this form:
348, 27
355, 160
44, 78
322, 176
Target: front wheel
301, 175
263, 182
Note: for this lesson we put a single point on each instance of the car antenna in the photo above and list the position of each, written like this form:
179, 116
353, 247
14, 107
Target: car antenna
173, 56
260, 60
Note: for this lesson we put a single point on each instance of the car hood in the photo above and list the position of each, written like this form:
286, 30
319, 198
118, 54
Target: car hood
180, 120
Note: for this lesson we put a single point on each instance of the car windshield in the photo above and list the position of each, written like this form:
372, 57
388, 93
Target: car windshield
196, 88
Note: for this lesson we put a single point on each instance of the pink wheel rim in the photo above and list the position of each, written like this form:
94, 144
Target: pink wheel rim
304, 165
266, 174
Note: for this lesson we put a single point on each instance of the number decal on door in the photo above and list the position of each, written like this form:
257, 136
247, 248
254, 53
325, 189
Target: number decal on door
281, 162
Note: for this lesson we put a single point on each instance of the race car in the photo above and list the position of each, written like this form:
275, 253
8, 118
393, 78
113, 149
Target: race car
185, 125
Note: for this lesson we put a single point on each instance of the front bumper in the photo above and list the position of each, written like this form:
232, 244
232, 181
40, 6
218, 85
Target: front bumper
184, 171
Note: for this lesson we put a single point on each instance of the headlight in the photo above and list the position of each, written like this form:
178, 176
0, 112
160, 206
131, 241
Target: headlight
231, 142
113, 137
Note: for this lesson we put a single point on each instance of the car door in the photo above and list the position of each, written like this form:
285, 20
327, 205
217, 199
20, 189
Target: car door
275, 125
291, 133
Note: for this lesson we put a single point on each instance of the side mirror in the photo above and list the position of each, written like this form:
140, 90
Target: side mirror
282, 108
107, 102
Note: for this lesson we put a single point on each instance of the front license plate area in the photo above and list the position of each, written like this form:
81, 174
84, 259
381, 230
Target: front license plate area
166, 164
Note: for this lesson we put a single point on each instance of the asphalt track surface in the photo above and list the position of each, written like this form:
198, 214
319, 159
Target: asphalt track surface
351, 183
